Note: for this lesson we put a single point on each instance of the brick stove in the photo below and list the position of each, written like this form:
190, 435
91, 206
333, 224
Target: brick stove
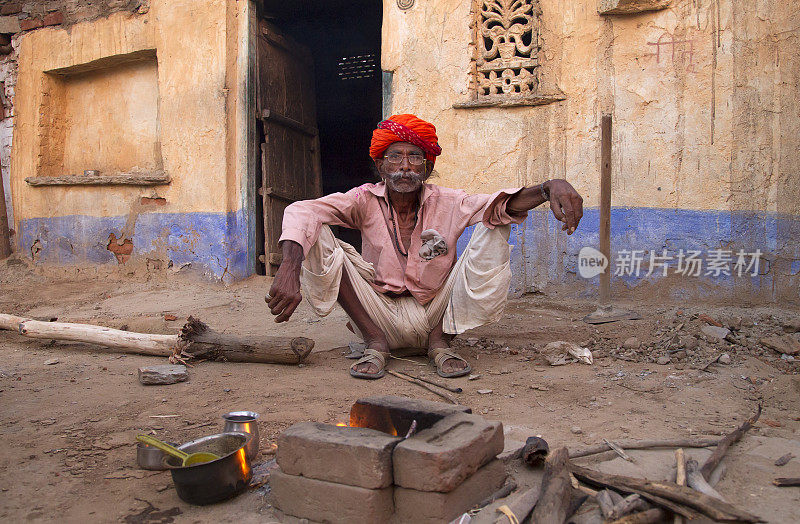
365, 473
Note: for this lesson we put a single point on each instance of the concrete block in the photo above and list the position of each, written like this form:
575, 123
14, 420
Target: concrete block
625, 7
422, 507
445, 455
323, 501
353, 456
9, 24
394, 415
162, 374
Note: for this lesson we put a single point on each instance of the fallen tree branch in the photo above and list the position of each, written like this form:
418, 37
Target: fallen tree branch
521, 506
630, 504
696, 481
786, 481
423, 385
678, 499
554, 504
680, 477
651, 516
196, 340
646, 444
499, 494
725, 443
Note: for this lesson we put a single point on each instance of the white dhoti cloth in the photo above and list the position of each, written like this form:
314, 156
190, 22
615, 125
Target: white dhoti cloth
474, 293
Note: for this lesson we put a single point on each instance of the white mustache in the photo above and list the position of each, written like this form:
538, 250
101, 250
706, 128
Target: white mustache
397, 175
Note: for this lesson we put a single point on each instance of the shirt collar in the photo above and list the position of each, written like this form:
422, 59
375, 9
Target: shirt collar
379, 190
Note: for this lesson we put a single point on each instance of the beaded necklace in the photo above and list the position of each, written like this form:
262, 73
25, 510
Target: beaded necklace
395, 228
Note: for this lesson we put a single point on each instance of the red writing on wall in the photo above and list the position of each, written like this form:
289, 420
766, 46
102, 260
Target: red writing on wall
679, 51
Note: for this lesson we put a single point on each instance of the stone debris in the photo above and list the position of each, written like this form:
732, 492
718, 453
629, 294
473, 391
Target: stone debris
785, 344
724, 359
576, 430
560, 352
631, 343
715, 333
485, 391
51, 361
691, 339
162, 374
663, 361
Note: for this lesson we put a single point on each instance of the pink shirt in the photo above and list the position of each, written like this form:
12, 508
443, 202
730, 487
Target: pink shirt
448, 211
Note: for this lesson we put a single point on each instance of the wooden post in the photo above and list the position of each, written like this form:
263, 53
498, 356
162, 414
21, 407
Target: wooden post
605, 206
5, 235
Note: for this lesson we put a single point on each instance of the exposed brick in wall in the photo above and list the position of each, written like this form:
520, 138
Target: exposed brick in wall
33, 14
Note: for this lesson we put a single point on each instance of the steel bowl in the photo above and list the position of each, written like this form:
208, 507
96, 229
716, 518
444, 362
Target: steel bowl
217, 480
150, 457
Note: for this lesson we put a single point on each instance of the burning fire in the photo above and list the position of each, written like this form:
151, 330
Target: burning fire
341, 424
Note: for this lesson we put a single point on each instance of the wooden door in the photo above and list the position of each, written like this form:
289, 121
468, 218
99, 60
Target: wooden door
286, 102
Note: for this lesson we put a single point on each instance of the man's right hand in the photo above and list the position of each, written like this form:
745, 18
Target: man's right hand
284, 295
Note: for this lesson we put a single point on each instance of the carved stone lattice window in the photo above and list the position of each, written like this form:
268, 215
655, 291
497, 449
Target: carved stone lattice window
507, 48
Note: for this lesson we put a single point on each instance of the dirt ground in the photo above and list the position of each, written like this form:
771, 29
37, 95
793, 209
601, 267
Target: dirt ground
68, 427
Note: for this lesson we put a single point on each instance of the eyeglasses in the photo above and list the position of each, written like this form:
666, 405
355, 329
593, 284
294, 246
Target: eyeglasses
396, 158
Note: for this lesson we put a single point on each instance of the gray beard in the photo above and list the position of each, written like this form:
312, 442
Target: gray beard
393, 178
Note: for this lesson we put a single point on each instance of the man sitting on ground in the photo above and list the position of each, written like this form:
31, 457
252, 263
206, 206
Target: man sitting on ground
408, 289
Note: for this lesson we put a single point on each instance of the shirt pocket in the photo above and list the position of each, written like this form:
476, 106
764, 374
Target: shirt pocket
433, 273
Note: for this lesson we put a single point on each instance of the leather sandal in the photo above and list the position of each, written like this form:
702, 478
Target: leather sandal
371, 356
441, 355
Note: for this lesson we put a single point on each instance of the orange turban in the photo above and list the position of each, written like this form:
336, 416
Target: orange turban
405, 128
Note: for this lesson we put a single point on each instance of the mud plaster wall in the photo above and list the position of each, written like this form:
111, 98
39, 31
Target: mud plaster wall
184, 46
706, 142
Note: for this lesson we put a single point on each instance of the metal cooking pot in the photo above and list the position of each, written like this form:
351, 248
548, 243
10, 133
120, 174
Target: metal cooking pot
216, 480
150, 457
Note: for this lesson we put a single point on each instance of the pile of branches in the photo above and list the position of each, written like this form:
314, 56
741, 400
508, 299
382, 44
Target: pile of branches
566, 486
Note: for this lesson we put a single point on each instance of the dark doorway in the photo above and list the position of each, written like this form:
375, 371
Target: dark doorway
344, 39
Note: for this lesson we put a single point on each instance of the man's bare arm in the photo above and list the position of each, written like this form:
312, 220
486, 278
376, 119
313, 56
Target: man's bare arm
284, 295
565, 202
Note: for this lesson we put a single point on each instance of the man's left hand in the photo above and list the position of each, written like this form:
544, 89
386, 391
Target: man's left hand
566, 204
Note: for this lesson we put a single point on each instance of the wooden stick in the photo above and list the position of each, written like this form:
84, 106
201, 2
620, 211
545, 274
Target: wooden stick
786, 481
630, 504
605, 205
433, 383
195, 340
651, 516
11, 322
725, 443
696, 481
521, 506
127, 341
618, 450
556, 490
5, 234
782, 461
422, 385
646, 444
605, 502
499, 494
676, 498
680, 476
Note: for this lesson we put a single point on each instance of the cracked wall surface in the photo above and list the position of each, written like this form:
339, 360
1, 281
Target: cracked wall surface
172, 58
705, 130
